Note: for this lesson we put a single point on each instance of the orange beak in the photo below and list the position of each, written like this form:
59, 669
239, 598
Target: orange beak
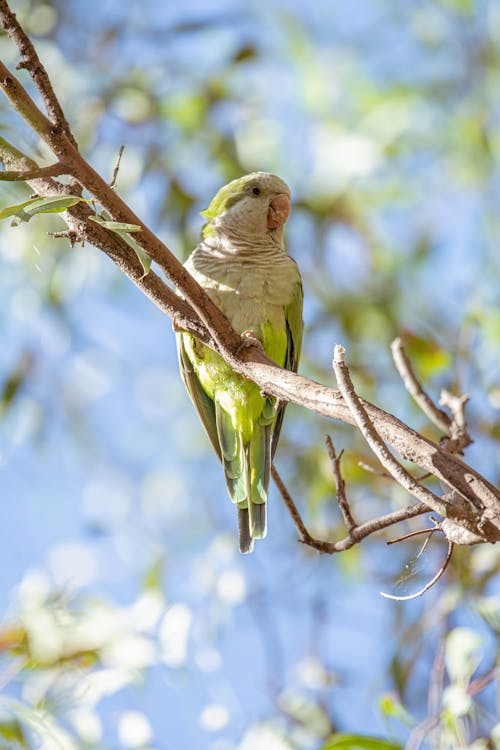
279, 211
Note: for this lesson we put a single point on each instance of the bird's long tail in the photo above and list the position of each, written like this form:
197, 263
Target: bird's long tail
247, 469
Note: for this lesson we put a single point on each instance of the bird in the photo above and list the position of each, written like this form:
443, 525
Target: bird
242, 264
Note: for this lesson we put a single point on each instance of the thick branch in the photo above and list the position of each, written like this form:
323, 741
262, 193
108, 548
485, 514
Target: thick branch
228, 341
32, 63
77, 219
470, 520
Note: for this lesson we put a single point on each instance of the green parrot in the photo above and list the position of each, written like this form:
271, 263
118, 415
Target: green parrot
242, 264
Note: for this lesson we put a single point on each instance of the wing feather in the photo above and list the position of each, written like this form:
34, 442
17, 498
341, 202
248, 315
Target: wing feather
203, 403
294, 328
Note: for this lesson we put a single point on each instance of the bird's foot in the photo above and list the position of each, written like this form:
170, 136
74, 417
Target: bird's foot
249, 339
175, 326
249, 334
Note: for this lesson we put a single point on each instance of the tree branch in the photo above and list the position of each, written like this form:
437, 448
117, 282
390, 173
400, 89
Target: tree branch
32, 63
340, 484
52, 170
229, 343
356, 533
414, 388
195, 312
367, 428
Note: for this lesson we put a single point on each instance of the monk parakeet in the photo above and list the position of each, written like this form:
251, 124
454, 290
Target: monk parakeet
242, 264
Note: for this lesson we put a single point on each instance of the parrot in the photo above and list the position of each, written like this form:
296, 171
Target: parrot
242, 264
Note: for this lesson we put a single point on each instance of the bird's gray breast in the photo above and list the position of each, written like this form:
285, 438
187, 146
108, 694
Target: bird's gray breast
248, 293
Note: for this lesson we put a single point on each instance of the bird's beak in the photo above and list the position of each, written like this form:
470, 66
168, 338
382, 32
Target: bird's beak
279, 211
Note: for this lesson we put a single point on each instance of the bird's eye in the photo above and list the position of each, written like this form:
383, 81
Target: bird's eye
255, 190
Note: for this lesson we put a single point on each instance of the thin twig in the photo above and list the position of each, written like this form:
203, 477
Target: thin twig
67, 234
112, 184
52, 170
385, 475
459, 437
340, 484
435, 693
410, 535
414, 388
425, 544
456, 404
304, 535
356, 534
373, 470
428, 585
366, 426
479, 683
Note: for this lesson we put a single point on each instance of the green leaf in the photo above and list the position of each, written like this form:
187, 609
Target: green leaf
141, 254
359, 742
54, 204
51, 205
13, 210
123, 229
116, 226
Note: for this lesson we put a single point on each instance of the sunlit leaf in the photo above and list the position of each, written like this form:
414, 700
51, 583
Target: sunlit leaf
122, 229
359, 742
116, 226
141, 254
51, 205
15, 209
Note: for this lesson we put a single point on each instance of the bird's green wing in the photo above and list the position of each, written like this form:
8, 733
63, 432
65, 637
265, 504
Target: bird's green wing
203, 403
223, 438
294, 328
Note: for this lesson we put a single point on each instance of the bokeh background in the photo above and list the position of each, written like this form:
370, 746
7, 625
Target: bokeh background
130, 619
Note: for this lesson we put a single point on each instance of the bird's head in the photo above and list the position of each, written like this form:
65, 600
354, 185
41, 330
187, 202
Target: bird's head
252, 208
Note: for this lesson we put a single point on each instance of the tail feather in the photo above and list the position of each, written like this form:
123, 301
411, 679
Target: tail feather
245, 539
247, 470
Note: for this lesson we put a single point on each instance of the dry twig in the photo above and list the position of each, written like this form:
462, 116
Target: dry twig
356, 533
112, 184
414, 388
340, 484
369, 432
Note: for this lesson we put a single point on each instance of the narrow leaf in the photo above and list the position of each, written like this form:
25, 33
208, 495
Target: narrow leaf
16, 209
359, 742
53, 204
141, 254
116, 226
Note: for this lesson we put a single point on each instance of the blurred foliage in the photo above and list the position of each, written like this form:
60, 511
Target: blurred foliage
384, 119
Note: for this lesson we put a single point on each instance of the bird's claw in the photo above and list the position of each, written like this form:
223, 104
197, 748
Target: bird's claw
249, 339
249, 334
